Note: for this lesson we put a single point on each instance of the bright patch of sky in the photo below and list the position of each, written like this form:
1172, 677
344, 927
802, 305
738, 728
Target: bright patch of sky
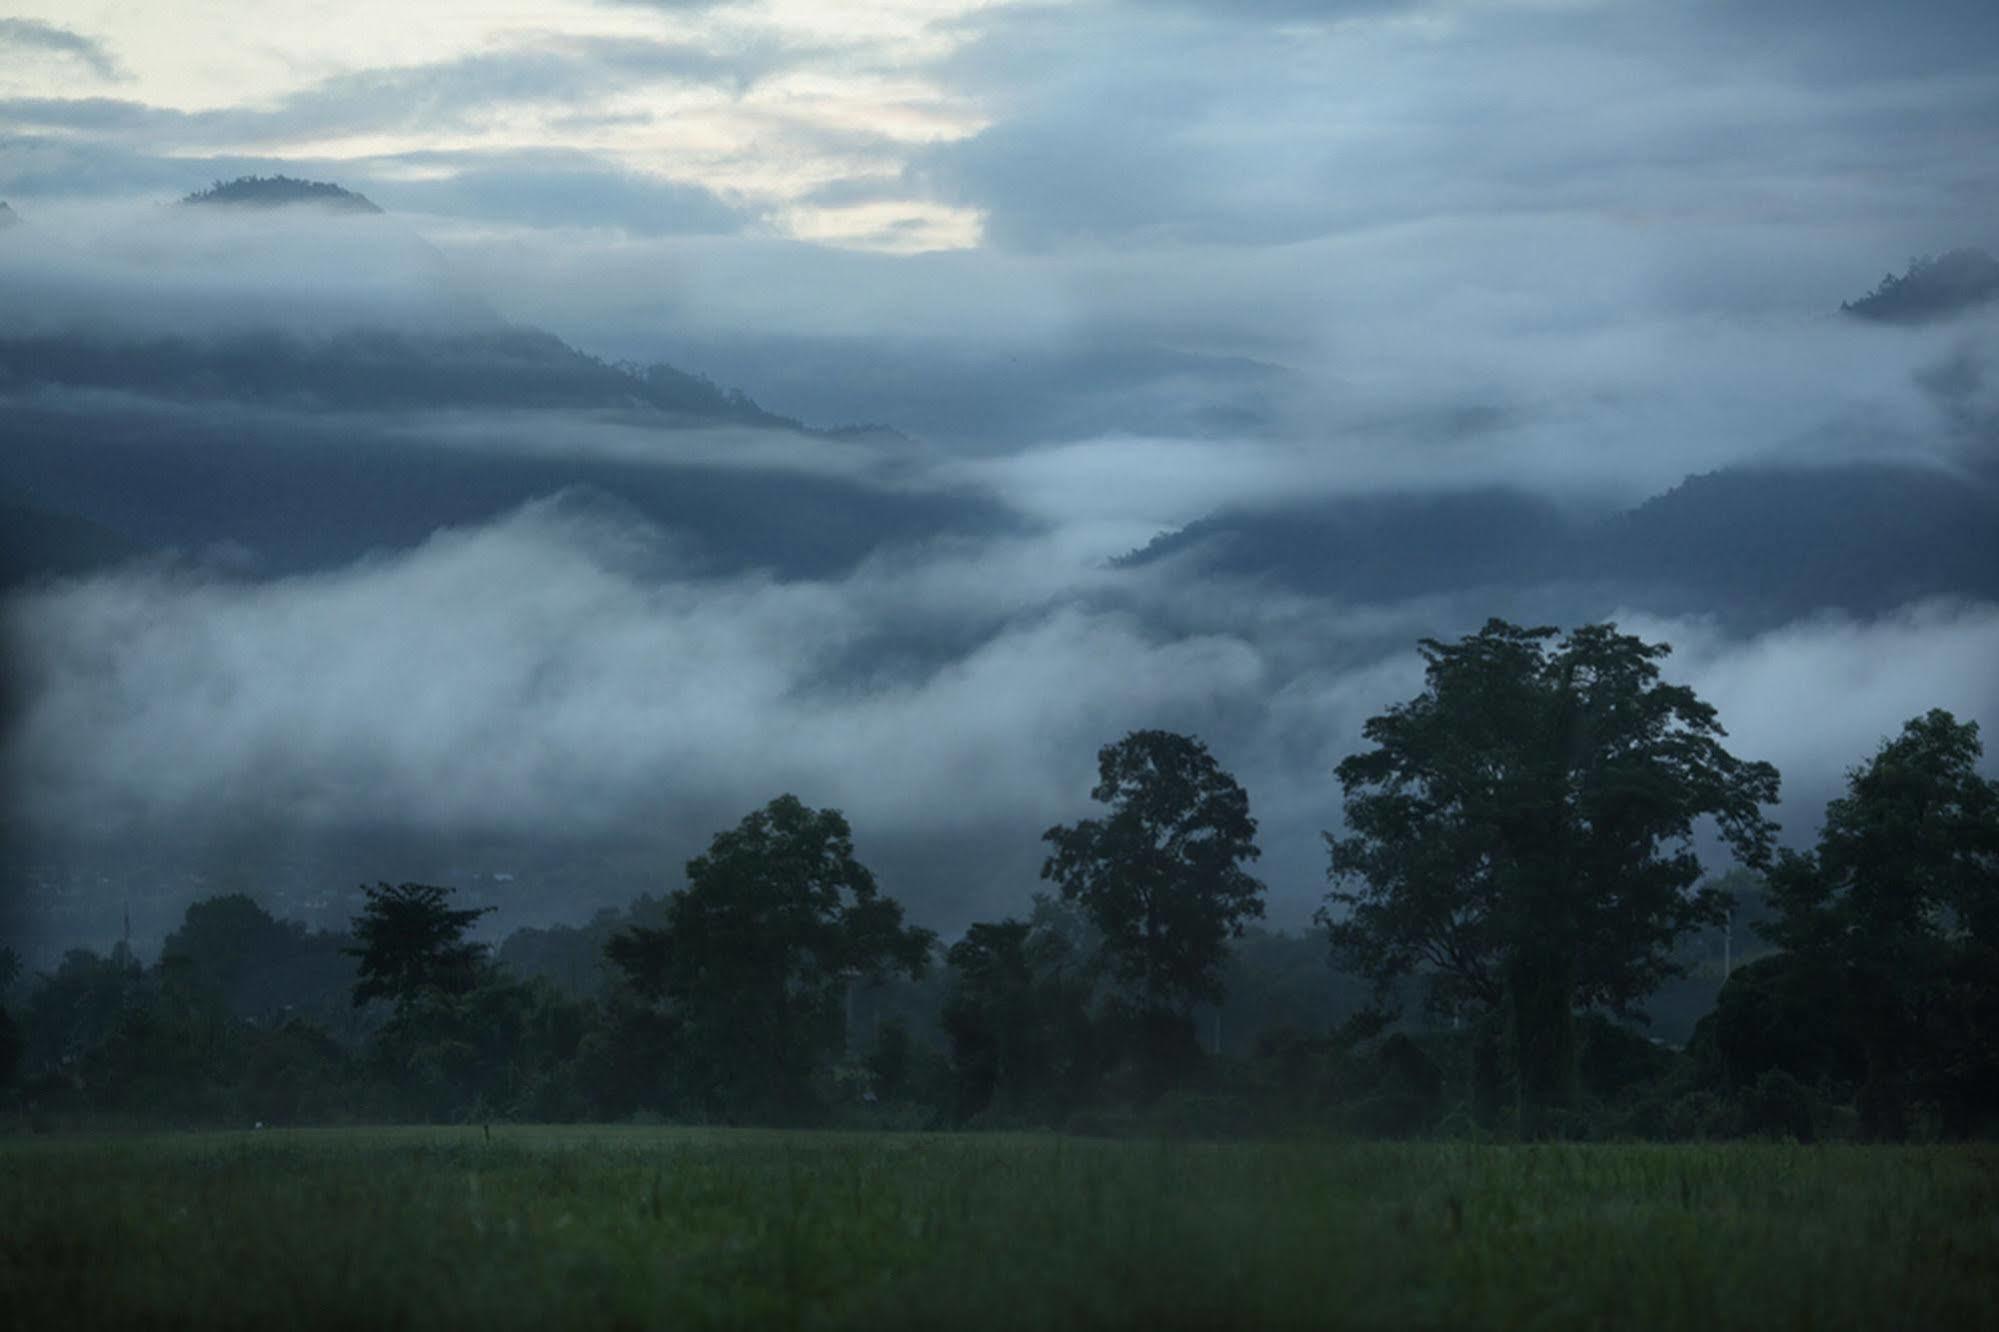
761, 104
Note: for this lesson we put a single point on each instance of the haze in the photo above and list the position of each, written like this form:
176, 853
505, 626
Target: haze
1206, 356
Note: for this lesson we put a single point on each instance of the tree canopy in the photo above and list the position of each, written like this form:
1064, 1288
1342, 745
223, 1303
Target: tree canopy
1162, 875
1018, 1015
1898, 905
409, 940
776, 919
1521, 834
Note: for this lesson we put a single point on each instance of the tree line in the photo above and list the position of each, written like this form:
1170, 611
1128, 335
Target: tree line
1518, 872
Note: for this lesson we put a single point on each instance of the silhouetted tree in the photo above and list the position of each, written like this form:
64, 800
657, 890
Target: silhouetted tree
572, 957
1521, 836
754, 960
257, 963
1782, 1012
409, 940
11, 1042
1162, 876
1018, 1017
1900, 903
80, 1003
1933, 288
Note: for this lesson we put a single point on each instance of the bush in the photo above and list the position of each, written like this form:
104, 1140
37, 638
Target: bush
1698, 1116
1189, 1114
1778, 1106
1617, 1064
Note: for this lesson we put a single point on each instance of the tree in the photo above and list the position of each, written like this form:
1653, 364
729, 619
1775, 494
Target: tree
259, 964
11, 1043
410, 941
1162, 876
1018, 1017
79, 1004
1781, 1015
1521, 837
1899, 903
757, 951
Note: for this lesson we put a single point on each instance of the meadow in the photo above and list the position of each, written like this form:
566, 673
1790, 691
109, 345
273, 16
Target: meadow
690, 1228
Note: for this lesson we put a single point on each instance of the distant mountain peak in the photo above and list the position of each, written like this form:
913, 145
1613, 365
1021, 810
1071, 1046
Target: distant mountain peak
278, 191
8, 217
1933, 288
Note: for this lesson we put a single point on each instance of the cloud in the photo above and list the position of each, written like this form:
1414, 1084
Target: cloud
33, 36
1226, 256
572, 684
1818, 697
148, 272
747, 107
548, 188
1289, 11
564, 674
437, 97
1849, 41
494, 190
1115, 125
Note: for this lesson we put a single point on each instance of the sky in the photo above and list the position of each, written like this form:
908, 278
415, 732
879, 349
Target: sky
1113, 266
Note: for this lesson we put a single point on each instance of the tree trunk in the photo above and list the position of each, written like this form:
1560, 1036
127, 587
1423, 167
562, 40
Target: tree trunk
1541, 992
1487, 1057
1883, 1098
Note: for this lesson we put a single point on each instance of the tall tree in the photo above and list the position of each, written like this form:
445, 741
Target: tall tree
11, 1043
258, 964
1018, 1016
1521, 836
411, 941
1162, 877
1900, 903
777, 919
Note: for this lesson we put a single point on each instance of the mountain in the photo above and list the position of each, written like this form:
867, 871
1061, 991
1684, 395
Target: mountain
294, 452
1382, 548
1772, 543
372, 369
287, 492
482, 362
37, 544
1751, 545
8, 217
285, 450
278, 191
1932, 289
1754, 545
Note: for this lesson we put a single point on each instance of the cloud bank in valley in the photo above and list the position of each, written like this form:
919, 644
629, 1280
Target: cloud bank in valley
1119, 267
561, 674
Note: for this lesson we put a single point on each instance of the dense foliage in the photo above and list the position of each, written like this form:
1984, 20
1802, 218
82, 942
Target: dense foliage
1522, 834
1161, 879
1516, 893
278, 191
749, 973
1895, 914
1935, 287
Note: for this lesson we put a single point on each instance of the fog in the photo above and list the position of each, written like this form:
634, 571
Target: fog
384, 565
136, 271
561, 674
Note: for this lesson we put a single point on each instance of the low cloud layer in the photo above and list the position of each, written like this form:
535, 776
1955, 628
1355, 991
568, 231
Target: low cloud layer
560, 674
415, 575
125, 272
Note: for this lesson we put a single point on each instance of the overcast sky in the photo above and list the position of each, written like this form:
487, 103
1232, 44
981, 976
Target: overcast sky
1117, 264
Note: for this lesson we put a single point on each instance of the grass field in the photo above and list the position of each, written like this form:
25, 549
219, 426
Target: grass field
672, 1228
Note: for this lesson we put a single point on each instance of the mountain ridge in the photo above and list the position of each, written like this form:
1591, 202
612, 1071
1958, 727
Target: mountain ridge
1933, 288
281, 191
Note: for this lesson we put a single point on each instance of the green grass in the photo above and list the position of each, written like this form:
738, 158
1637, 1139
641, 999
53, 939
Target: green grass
672, 1228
